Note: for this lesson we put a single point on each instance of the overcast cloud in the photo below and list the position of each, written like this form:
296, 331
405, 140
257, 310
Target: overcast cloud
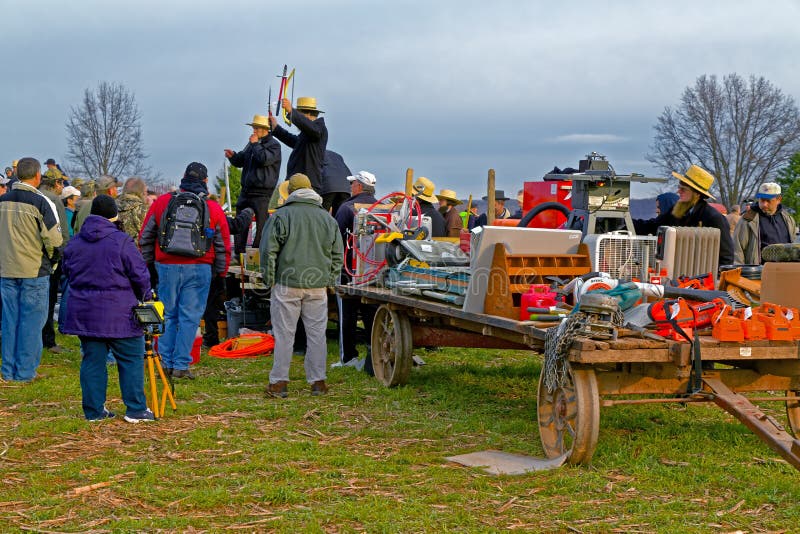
449, 88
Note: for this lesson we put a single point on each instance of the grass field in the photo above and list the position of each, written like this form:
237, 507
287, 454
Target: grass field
367, 458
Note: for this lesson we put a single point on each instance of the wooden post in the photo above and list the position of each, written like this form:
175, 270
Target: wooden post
409, 181
490, 199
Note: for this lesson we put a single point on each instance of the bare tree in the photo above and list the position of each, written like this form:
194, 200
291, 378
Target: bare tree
742, 132
104, 134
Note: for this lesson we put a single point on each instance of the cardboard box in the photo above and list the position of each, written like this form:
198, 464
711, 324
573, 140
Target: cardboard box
780, 284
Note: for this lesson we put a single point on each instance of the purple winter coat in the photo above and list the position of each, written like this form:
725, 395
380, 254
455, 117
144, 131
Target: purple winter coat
107, 278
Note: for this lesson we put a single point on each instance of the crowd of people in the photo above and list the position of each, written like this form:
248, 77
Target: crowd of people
104, 251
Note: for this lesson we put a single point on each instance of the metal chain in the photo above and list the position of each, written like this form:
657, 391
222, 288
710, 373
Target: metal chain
557, 342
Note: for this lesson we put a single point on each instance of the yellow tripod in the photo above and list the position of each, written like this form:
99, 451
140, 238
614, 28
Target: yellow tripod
152, 362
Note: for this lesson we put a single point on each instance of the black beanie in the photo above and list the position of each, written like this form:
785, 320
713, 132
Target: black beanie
194, 179
105, 206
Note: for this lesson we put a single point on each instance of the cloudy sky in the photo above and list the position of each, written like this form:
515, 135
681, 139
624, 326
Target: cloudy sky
448, 88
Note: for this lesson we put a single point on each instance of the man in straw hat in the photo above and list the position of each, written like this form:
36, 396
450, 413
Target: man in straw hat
423, 190
693, 209
308, 148
448, 200
301, 256
765, 223
260, 161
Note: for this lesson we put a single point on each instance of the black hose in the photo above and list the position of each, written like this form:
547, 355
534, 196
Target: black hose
544, 206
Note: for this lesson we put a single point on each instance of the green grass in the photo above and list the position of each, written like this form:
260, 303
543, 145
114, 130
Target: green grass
367, 458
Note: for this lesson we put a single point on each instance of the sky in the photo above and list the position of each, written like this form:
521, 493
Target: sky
447, 88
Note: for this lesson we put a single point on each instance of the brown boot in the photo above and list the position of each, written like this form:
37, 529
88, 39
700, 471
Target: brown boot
319, 388
278, 389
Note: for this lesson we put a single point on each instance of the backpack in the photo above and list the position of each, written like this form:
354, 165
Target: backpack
184, 227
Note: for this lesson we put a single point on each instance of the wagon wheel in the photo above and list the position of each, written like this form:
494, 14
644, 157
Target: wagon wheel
793, 412
391, 346
569, 417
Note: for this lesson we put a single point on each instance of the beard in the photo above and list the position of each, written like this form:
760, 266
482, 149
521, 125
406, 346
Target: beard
681, 208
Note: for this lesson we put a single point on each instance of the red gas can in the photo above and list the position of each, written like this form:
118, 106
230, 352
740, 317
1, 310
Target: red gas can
538, 296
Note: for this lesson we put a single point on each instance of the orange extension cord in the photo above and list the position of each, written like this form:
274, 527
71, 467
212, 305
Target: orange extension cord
263, 347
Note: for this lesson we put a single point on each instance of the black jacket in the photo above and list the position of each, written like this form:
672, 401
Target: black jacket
260, 163
308, 148
437, 221
334, 174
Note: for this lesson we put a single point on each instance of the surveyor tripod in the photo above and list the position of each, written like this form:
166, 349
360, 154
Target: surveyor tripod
152, 361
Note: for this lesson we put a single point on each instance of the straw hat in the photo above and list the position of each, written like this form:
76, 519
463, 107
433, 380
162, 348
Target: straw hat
307, 103
259, 121
698, 179
424, 189
450, 196
283, 192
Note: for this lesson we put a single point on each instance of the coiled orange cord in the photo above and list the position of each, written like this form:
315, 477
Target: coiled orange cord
225, 350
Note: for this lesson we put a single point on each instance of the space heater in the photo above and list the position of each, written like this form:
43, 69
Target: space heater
687, 251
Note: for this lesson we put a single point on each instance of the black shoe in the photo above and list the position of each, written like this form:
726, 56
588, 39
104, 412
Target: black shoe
182, 373
167, 371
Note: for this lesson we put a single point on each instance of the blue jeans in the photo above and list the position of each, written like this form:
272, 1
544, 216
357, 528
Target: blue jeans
183, 289
129, 353
25, 303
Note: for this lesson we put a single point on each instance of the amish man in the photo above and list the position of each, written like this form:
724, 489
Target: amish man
308, 148
260, 162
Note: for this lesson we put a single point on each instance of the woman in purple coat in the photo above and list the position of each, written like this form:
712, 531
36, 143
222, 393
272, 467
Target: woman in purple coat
107, 278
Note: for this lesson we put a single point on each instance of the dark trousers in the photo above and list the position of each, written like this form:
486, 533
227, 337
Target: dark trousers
351, 307
215, 307
48, 331
332, 201
129, 353
259, 205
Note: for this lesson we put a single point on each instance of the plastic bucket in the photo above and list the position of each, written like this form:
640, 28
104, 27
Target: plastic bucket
198, 342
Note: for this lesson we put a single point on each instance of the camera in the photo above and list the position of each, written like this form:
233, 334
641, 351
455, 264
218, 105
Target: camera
150, 315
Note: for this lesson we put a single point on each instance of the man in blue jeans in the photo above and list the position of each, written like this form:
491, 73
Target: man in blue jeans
30, 234
183, 279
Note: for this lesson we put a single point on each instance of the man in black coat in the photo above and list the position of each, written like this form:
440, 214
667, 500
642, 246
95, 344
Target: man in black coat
260, 162
692, 209
308, 148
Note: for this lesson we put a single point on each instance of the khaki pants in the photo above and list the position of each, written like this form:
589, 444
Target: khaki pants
287, 305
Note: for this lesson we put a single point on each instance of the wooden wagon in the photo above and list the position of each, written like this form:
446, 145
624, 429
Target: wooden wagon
628, 370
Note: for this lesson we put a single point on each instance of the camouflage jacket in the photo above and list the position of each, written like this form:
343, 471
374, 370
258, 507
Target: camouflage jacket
131, 214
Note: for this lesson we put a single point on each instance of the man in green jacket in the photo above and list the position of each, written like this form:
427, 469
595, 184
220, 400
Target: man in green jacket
301, 256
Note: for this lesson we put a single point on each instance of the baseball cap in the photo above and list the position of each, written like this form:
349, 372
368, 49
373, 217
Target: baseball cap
69, 191
104, 183
768, 190
299, 181
365, 177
